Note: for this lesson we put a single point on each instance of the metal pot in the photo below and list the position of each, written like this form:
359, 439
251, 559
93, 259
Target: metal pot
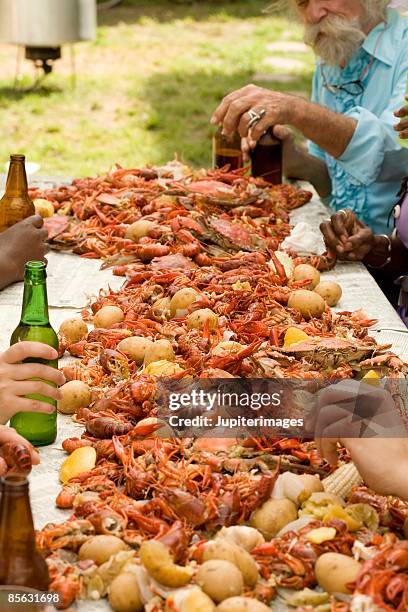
47, 23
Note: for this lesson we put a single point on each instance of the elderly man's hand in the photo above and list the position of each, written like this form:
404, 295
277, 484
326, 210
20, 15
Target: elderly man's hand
232, 113
402, 126
347, 236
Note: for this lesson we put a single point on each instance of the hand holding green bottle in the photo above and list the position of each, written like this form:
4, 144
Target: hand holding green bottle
16, 379
39, 428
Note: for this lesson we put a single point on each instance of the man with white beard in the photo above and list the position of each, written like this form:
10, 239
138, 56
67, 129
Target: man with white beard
354, 159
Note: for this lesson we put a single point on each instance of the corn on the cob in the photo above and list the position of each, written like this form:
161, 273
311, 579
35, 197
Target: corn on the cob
342, 480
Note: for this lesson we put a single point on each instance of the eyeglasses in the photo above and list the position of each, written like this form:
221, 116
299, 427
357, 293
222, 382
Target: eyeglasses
353, 88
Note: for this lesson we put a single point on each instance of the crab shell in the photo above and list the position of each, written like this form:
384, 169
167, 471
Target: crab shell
56, 224
232, 236
229, 196
332, 351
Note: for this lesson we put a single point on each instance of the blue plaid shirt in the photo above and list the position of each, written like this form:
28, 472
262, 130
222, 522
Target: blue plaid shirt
367, 177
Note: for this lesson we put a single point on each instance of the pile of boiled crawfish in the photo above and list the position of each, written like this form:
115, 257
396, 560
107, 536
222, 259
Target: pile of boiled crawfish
215, 233
14, 457
200, 220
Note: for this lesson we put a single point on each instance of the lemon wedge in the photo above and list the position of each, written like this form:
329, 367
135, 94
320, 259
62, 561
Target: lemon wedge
81, 460
372, 378
162, 368
294, 336
44, 208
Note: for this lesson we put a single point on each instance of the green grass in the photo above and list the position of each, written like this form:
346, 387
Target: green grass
146, 87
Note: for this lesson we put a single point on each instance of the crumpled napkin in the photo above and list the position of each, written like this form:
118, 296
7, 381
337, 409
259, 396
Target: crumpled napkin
176, 169
304, 240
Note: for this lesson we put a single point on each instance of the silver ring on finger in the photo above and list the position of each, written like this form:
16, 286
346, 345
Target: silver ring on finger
343, 212
255, 117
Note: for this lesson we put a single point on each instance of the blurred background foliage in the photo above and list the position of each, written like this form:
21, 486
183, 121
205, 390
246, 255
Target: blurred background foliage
145, 89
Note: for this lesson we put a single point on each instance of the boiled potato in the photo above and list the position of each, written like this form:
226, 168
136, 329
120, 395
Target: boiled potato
312, 484
80, 460
220, 579
124, 593
43, 207
199, 318
307, 272
75, 394
182, 300
246, 537
160, 350
334, 571
190, 599
100, 548
272, 516
242, 604
330, 291
73, 330
161, 307
108, 316
228, 551
157, 560
139, 229
308, 303
135, 348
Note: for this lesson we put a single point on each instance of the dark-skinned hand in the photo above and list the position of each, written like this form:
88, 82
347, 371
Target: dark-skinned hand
345, 235
402, 126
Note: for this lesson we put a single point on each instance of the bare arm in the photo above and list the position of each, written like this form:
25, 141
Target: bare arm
331, 131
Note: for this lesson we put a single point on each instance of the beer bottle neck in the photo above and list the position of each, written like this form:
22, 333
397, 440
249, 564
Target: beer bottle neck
17, 535
35, 302
16, 179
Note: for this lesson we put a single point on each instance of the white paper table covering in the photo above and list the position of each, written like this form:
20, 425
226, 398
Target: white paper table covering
359, 291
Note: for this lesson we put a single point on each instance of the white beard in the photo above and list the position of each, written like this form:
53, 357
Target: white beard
335, 39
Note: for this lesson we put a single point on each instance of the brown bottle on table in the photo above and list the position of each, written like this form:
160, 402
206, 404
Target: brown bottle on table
267, 159
15, 205
227, 151
21, 565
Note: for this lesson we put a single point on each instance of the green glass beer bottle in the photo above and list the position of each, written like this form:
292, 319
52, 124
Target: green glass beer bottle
38, 428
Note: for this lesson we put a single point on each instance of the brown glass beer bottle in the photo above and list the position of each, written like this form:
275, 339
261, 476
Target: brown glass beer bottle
15, 205
227, 151
267, 159
21, 565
